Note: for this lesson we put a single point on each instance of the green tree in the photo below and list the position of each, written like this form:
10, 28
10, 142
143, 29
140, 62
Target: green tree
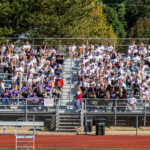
54, 18
142, 28
113, 19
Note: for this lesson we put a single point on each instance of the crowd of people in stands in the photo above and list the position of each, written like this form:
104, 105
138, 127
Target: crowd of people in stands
33, 74
104, 74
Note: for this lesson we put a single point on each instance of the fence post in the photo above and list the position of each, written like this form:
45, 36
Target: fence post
87, 44
136, 125
26, 111
59, 44
33, 43
7, 42
82, 114
115, 108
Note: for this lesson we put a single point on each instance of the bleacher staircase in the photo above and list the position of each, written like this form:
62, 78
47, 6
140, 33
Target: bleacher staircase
68, 122
69, 119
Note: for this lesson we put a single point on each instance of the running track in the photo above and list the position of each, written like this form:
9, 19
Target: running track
82, 141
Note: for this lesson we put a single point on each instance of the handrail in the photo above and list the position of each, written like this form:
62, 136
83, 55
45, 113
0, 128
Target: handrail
116, 105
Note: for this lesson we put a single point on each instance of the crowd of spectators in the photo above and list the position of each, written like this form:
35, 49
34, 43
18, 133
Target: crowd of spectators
104, 74
33, 74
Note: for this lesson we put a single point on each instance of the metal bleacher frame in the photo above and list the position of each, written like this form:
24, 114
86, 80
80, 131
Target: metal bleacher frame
26, 141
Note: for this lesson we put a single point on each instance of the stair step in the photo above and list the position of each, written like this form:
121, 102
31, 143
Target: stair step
65, 130
68, 127
69, 123
68, 119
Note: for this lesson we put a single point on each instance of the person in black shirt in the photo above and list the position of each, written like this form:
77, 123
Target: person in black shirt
60, 58
135, 87
40, 93
117, 89
101, 92
58, 71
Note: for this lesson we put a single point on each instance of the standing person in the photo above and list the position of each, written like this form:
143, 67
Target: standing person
131, 103
78, 101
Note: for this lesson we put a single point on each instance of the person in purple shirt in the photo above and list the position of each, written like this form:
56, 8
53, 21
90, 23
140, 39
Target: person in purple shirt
48, 89
5, 97
33, 101
53, 63
44, 96
30, 91
11, 89
25, 89
15, 96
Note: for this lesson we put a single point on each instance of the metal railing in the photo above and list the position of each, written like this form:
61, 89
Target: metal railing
28, 105
115, 106
61, 44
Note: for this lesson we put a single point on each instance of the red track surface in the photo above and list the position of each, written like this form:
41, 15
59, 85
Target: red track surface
82, 141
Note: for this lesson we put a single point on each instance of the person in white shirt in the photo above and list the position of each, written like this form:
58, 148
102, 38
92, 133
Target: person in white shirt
136, 58
20, 69
109, 48
15, 57
2, 84
131, 103
142, 50
145, 94
148, 49
3, 49
36, 79
11, 48
98, 56
147, 59
72, 50
26, 46
127, 60
131, 47
122, 84
82, 49
52, 50
101, 47
22, 54
91, 46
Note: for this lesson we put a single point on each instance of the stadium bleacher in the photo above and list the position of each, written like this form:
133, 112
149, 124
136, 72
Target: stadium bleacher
109, 81
28, 77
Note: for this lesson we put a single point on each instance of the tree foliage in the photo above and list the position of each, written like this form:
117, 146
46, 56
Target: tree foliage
72, 18
54, 18
141, 28
113, 19
128, 13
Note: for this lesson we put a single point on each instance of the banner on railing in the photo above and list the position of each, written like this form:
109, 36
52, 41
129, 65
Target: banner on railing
49, 102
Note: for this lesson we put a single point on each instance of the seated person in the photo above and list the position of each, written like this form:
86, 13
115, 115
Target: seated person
72, 50
33, 102
131, 103
15, 97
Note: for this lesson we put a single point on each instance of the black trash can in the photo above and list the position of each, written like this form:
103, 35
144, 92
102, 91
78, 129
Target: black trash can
100, 126
88, 125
